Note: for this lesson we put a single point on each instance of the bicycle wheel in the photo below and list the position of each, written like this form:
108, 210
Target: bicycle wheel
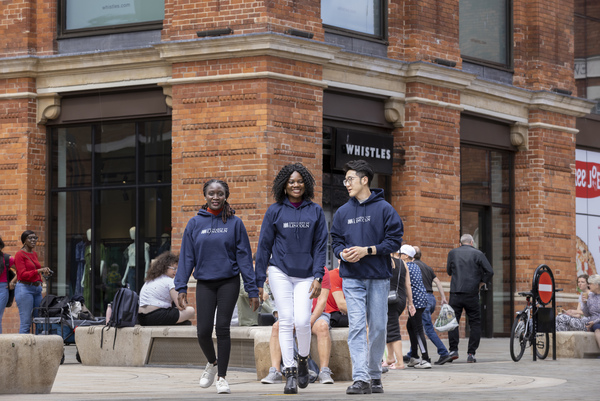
518, 338
542, 345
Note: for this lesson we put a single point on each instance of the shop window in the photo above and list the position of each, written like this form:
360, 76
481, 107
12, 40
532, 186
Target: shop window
486, 177
355, 17
110, 206
587, 52
486, 32
99, 17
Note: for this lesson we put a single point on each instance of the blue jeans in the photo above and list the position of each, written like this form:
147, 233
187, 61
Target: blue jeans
366, 300
27, 297
3, 301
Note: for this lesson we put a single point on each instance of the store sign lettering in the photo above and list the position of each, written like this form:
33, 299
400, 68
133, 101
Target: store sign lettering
587, 181
368, 151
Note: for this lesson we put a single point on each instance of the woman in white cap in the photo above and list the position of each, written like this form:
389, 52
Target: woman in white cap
414, 325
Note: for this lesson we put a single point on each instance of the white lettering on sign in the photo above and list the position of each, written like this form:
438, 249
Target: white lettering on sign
545, 287
368, 151
587, 179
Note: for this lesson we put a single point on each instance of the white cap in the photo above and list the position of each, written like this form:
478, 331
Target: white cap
408, 250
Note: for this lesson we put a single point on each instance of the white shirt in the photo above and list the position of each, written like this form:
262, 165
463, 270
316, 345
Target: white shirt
157, 292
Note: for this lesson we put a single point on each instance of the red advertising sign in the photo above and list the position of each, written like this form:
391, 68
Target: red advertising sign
545, 288
587, 179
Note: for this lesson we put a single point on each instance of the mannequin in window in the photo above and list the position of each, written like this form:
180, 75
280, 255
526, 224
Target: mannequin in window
130, 271
80, 249
165, 244
86, 279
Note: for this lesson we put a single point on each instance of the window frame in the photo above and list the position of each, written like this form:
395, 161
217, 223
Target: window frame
64, 33
383, 38
509, 65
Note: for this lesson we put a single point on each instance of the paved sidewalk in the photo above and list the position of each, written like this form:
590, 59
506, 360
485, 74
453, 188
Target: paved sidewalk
494, 377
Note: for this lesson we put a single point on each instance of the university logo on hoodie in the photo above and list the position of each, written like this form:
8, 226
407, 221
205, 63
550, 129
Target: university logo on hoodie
297, 224
221, 230
359, 219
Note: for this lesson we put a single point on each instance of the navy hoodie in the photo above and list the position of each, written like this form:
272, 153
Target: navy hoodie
293, 239
214, 250
373, 222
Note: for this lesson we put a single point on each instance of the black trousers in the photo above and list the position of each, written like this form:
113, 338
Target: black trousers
209, 295
414, 326
470, 304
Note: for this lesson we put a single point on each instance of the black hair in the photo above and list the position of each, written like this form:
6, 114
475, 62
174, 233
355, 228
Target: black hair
1, 244
26, 234
227, 209
280, 182
160, 265
418, 254
362, 168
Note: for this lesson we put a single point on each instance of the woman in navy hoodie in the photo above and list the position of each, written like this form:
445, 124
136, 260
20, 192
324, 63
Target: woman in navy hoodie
292, 244
216, 248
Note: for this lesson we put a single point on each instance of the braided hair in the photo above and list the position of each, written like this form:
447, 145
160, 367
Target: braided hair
280, 182
227, 209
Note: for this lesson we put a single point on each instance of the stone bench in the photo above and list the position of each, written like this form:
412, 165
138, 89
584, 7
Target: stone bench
575, 344
178, 345
29, 363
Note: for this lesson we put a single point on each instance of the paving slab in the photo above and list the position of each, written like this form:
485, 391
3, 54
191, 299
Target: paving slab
494, 377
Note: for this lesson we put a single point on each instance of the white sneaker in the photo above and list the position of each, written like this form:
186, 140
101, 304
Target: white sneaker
413, 362
222, 386
208, 377
325, 376
423, 365
273, 377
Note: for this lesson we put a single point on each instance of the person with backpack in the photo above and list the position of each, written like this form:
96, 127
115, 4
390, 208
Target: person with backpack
293, 246
7, 282
28, 291
216, 249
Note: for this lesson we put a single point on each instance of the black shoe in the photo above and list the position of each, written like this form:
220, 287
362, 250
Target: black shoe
291, 381
406, 358
359, 387
444, 359
303, 375
471, 358
385, 369
453, 355
376, 386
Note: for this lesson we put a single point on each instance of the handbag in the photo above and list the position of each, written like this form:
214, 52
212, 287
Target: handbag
446, 320
10, 275
393, 296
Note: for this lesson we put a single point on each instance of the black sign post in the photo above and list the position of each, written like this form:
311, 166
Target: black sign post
544, 292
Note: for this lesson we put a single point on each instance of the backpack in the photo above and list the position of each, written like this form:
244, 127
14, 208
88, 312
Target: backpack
53, 306
125, 307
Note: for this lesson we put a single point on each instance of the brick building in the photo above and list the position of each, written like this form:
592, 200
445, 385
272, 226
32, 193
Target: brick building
114, 113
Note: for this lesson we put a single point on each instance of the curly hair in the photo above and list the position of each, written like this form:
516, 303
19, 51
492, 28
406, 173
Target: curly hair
160, 265
280, 182
228, 211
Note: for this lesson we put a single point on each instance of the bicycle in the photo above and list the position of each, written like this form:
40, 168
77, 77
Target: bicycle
522, 335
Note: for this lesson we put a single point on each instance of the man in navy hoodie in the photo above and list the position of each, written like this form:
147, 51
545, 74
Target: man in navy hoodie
365, 231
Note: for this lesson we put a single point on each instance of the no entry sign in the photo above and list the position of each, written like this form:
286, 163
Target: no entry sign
545, 289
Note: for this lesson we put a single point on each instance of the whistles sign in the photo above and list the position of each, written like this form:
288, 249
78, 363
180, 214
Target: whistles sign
587, 177
376, 149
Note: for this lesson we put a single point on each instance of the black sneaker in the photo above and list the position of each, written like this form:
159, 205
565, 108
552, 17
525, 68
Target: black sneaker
359, 387
406, 358
376, 386
443, 359
471, 358
454, 355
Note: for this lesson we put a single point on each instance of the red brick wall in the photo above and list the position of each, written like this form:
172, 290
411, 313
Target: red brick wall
543, 44
423, 30
426, 190
545, 202
183, 18
23, 166
242, 132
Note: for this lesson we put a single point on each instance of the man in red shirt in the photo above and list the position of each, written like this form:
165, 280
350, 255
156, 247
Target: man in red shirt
336, 303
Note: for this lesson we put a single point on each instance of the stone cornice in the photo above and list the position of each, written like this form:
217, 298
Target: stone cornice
258, 44
434, 74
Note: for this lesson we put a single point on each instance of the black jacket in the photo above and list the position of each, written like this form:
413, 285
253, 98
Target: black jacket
467, 267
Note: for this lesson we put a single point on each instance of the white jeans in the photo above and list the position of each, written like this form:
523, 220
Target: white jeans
292, 298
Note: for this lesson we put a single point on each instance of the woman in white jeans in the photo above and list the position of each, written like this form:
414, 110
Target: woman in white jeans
292, 244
